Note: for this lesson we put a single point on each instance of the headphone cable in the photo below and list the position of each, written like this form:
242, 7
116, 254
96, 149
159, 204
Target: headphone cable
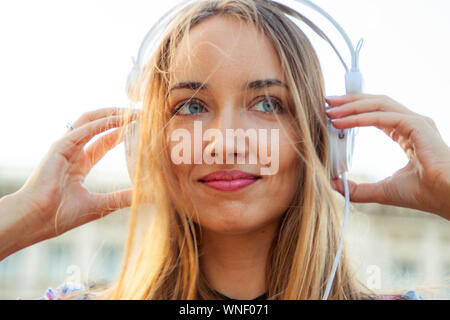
341, 241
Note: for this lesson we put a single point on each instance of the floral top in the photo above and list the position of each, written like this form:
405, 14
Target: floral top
63, 290
408, 295
70, 287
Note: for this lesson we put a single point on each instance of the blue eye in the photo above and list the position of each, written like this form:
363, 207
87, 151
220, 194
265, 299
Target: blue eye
269, 105
189, 108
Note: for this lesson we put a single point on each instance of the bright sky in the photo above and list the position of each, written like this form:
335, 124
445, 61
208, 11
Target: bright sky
62, 58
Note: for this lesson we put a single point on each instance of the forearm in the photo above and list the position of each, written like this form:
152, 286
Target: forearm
444, 183
15, 222
446, 204
438, 192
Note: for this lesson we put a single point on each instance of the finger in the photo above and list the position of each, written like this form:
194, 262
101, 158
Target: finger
99, 148
399, 126
107, 203
86, 132
72, 144
412, 132
363, 192
100, 206
335, 101
402, 123
100, 113
367, 105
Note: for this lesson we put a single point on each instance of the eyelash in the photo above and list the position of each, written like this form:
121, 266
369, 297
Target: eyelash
175, 111
273, 100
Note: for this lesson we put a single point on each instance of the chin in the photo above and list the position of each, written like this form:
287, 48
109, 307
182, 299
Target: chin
233, 222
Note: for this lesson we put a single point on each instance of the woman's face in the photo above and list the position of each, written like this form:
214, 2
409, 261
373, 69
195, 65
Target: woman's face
222, 70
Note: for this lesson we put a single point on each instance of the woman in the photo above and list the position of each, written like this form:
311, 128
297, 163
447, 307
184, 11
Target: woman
229, 65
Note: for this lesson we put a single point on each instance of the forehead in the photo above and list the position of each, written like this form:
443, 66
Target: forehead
225, 46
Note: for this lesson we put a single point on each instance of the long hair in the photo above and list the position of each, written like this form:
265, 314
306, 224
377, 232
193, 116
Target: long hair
162, 251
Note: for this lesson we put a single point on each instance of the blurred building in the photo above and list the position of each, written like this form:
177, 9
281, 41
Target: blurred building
405, 248
391, 248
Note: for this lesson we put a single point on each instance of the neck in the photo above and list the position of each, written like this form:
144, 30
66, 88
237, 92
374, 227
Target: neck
235, 265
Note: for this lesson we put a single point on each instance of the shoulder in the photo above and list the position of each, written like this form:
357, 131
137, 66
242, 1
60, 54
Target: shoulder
408, 295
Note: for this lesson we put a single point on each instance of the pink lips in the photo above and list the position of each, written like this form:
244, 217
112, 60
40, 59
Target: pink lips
229, 180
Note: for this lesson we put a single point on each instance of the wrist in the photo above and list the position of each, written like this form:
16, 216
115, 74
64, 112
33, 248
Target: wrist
18, 228
447, 187
444, 186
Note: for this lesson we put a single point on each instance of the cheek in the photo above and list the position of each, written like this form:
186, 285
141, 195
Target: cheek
180, 167
289, 158
178, 145
285, 150
289, 166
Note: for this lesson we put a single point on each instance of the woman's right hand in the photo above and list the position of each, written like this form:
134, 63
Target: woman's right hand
53, 200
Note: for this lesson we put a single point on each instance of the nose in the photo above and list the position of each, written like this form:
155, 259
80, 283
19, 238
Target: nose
230, 123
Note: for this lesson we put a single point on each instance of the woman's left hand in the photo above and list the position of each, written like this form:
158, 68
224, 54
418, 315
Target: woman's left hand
424, 183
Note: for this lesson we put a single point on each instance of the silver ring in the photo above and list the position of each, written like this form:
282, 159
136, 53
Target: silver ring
69, 126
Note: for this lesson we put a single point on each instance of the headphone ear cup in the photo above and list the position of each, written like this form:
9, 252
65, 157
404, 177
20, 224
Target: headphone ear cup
131, 136
340, 148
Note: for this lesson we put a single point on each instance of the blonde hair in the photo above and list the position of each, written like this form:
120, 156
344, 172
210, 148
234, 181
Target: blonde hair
162, 256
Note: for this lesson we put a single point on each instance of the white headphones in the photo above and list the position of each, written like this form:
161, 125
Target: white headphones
341, 142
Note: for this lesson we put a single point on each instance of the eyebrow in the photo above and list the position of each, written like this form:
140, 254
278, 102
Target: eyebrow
257, 84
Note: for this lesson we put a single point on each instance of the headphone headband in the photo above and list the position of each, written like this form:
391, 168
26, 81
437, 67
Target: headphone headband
353, 77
